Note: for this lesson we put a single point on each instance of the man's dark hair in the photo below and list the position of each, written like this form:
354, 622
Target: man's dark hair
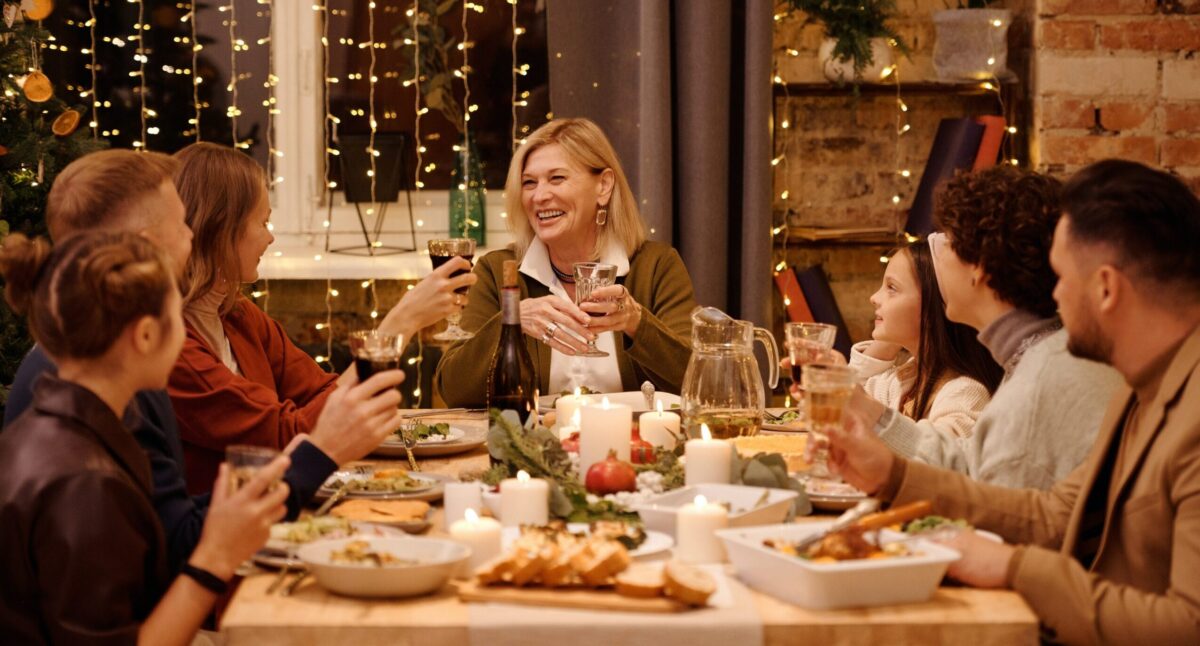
1149, 218
1003, 219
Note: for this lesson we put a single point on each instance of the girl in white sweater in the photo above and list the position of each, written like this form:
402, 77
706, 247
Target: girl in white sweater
920, 363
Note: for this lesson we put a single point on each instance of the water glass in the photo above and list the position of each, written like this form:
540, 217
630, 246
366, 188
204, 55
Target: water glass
245, 461
827, 390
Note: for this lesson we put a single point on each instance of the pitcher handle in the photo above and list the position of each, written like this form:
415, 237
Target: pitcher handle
768, 340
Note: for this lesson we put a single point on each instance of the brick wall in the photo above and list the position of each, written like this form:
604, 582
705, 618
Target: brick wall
1118, 78
841, 151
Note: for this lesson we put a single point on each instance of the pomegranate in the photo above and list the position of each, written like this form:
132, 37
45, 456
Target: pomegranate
641, 451
611, 476
571, 444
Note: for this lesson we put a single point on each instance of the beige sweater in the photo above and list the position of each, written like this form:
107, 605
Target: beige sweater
955, 406
1040, 423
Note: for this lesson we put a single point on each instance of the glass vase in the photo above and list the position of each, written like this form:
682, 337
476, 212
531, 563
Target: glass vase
468, 214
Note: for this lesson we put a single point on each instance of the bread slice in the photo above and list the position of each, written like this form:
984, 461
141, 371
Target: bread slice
641, 581
494, 571
609, 559
688, 584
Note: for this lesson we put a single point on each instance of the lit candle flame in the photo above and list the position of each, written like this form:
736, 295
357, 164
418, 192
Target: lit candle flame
604, 404
575, 419
700, 501
471, 516
660, 411
704, 432
522, 476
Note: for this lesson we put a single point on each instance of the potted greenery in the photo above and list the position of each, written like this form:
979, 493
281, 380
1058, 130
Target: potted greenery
972, 41
858, 41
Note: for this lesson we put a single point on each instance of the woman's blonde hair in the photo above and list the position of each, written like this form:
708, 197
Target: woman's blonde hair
219, 186
586, 145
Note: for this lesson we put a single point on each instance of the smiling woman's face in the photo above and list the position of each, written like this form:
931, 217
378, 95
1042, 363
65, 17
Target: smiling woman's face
560, 196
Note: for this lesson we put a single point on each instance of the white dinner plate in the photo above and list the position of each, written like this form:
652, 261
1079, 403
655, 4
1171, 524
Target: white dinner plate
433, 490
460, 441
632, 399
656, 543
832, 496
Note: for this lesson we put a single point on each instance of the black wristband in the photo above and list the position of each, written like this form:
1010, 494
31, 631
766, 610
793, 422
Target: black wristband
206, 579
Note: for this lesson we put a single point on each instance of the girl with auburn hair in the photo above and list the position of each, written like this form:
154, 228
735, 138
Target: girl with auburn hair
919, 362
569, 202
74, 482
240, 379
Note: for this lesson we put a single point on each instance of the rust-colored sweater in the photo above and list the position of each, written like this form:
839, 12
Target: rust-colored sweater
278, 395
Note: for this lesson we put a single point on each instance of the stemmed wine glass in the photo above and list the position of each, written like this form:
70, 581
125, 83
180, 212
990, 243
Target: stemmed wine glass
590, 276
440, 252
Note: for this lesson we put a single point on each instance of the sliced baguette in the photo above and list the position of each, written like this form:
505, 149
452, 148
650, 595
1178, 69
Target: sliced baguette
688, 584
641, 581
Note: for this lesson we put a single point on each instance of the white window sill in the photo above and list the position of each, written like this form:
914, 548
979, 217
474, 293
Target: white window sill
303, 257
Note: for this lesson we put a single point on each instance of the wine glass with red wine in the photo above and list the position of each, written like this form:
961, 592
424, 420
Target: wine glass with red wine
440, 252
375, 352
590, 276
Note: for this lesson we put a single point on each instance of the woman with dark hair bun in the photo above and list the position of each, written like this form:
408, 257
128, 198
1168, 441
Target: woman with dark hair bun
919, 362
81, 546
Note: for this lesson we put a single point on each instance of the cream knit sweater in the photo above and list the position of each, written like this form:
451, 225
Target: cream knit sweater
955, 406
1041, 421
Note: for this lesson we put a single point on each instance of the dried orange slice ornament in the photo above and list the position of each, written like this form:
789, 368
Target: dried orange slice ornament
65, 124
38, 88
38, 9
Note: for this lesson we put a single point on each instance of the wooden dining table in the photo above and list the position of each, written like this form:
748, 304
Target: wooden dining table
311, 615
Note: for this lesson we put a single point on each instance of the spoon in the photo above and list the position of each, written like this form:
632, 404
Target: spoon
648, 393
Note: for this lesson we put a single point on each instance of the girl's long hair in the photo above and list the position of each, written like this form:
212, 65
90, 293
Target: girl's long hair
947, 349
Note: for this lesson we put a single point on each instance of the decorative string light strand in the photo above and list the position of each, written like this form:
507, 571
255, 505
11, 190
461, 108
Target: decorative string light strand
271, 103
516, 33
416, 82
232, 88
140, 57
330, 292
464, 73
372, 154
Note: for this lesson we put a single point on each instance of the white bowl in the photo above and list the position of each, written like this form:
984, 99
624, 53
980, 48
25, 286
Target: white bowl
438, 559
633, 399
659, 513
847, 584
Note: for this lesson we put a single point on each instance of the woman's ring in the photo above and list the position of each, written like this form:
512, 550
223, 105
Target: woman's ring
551, 328
546, 338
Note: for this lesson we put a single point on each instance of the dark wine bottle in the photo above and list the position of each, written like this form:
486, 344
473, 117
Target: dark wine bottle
512, 378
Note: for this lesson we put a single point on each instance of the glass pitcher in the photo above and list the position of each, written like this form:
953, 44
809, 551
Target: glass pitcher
722, 387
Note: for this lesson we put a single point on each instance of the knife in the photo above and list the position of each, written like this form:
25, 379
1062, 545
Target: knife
851, 516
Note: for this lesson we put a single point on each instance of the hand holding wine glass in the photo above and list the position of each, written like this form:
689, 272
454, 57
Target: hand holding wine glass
590, 277
441, 252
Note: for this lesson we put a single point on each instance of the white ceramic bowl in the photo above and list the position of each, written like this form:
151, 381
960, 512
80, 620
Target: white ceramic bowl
438, 559
847, 584
658, 513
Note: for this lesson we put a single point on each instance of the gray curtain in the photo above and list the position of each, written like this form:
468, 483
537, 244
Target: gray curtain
683, 90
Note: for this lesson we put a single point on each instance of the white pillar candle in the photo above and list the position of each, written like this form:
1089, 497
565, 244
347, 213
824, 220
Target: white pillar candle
603, 427
695, 527
524, 501
566, 406
482, 535
569, 426
458, 498
707, 460
659, 428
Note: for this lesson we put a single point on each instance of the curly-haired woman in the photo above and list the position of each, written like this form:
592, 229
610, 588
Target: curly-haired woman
993, 267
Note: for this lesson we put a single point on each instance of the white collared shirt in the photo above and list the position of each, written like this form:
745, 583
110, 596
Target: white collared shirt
568, 372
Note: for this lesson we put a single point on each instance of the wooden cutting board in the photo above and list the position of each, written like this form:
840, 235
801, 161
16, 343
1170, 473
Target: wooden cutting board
565, 598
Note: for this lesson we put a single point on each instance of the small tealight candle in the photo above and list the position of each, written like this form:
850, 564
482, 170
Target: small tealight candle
659, 428
524, 501
458, 498
695, 532
566, 406
603, 428
707, 461
482, 535
568, 428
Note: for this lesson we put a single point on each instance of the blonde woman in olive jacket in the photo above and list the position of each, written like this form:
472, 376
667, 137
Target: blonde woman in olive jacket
578, 207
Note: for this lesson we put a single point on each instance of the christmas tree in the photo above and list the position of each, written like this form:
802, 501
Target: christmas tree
40, 133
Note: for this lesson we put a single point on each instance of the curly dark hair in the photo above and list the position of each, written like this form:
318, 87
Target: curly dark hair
1002, 219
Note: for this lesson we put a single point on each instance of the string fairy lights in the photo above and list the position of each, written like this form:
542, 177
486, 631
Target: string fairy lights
93, 66
140, 29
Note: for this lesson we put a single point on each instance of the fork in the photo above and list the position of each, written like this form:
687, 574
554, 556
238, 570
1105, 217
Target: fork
406, 434
291, 587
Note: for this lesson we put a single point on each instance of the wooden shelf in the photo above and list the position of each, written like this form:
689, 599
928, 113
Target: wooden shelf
972, 88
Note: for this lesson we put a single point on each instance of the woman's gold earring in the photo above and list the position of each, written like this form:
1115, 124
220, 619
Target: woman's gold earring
601, 216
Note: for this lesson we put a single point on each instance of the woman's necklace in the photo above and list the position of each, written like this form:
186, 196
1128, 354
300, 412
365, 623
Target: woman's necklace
563, 277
